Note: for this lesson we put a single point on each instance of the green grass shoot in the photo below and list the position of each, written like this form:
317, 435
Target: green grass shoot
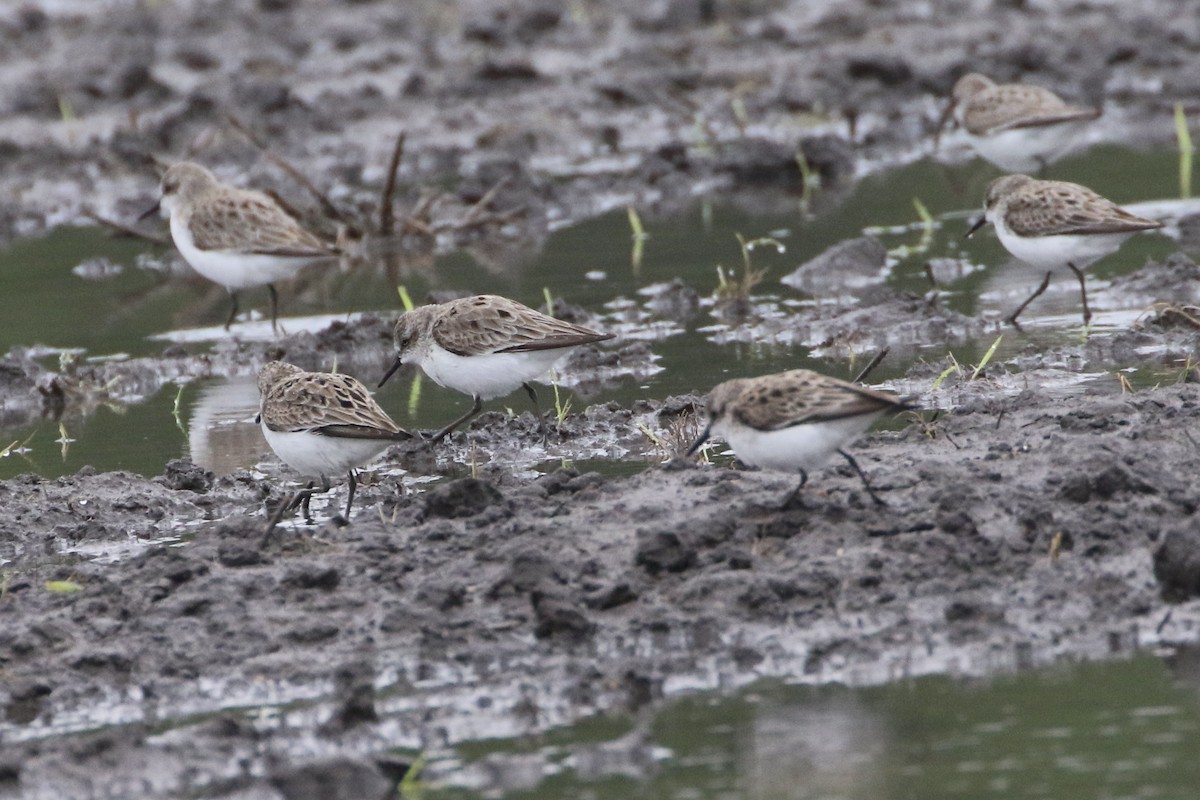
63, 439
809, 182
175, 407
740, 117
65, 109
63, 587
639, 239
405, 300
946, 373
986, 357
1184, 137
414, 395
561, 408
549, 300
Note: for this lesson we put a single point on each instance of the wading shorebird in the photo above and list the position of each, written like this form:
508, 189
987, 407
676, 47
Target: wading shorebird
238, 238
794, 421
485, 346
1055, 224
1017, 127
321, 424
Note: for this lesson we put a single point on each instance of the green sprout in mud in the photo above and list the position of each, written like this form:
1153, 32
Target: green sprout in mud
18, 447
175, 407
1184, 138
810, 181
562, 406
414, 395
927, 225
64, 440
6, 577
64, 587
730, 289
639, 237
411, 787
405, 300
740, 117
956, 368
549, 300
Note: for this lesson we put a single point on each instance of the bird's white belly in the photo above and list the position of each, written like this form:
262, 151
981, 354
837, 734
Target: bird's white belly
1026, 149
491, 375
235, 270
800, 447
1053, 252
315, 455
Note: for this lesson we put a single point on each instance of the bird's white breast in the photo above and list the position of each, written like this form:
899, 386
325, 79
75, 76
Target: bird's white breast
315, 455
800, 447
487, 375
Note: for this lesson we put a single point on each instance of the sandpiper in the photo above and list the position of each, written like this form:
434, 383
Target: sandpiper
321, 424
236, 237
485, 346
1051, 224
794, 421
1015, 126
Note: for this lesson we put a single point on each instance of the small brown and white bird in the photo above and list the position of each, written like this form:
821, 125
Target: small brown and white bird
485, 346
235, 237
1055, 224
321, 424
1016, 126
794, 421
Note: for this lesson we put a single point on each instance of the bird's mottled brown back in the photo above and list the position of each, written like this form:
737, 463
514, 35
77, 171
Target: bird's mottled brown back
800, 396
1051, 208
1014, 105
323, 402
250, 222
492, 324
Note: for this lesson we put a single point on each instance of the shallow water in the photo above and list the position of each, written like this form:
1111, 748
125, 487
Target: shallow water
137, 297
1119, 729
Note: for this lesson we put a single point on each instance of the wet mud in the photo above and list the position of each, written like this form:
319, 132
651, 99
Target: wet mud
140, 617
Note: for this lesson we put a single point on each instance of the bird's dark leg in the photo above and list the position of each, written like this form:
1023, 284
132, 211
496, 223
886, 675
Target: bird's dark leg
353, 485
862, 476
793, 497
304, 497
537, 410
1012, 318
1087, 312
476, 407
274, 307
233, 311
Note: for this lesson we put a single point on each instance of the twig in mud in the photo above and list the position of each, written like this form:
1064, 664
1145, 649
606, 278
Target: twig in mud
386, 218
327, 205
120, 229
482, 203
870, 367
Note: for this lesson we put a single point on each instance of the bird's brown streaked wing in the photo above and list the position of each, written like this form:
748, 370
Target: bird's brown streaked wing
314, 401
477, 326
800, 397
1018, 106
250, 222
1057, 209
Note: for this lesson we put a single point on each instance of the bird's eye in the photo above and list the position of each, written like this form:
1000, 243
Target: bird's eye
170, 187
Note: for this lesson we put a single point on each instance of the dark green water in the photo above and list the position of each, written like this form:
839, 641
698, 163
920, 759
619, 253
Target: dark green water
1124, 729
588, 264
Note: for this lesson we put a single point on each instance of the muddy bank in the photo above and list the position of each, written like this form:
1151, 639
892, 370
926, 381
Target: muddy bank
1016, 532
563, 113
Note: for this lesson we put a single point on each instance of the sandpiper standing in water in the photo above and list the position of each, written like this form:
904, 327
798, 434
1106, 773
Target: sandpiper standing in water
321, 424
485, 346
794, 421
1052, 224
235, 237
1017, 127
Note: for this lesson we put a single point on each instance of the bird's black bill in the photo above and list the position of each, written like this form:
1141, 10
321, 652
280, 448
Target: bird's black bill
701, 439
152, 210
979, 223
391, 371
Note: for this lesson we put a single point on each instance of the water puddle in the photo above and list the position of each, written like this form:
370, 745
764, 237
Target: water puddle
658, 290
